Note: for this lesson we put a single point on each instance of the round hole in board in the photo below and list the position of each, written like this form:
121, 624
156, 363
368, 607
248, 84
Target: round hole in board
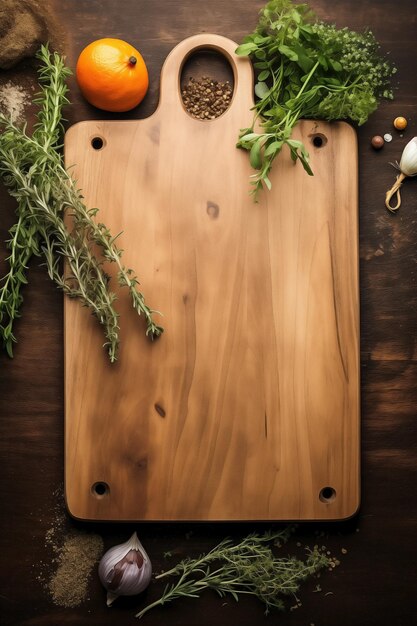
327, 494
199, 65
318, 140
97, 143
100, 489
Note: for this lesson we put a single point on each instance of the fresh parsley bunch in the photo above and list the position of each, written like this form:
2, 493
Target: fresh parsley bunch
307, 69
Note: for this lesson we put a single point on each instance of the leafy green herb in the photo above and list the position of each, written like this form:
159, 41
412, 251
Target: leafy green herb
249, 567
307, 69
33, 170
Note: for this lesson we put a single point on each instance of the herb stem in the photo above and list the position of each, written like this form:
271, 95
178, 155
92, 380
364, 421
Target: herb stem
307, 80
248, 567
314, 70
33, 170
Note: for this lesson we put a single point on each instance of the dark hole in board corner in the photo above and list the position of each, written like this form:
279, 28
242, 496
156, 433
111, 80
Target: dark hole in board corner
327, 494
100, 489
97, 143
318, 140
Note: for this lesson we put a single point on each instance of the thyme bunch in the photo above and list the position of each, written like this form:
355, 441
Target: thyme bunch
249, 567
33, 170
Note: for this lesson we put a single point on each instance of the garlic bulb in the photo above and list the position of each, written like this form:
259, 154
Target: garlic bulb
407, 167
408, 163
125, 570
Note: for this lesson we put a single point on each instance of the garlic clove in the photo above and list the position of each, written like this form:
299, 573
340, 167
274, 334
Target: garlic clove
125, 570
408, 167
111, 597
408, 163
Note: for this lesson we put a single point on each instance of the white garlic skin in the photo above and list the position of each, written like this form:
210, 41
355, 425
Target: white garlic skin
408, 163
125, 570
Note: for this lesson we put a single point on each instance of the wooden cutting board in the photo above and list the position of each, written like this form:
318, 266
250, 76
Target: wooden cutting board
247, 408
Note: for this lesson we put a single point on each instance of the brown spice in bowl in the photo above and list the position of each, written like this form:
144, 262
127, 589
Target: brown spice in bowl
206, 99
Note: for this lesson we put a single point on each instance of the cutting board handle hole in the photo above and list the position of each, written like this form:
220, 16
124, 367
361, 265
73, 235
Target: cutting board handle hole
327, 494
100, 489
98, 143
318, 140
213, 64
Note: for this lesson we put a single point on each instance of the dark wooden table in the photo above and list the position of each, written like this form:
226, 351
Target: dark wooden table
376, 581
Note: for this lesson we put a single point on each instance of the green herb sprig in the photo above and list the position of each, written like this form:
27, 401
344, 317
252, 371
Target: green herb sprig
249, 567
307, 69
33, 170
23, 243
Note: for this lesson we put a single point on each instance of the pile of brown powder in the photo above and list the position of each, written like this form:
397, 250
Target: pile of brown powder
75, 553
24, 25
68, 586
206, 99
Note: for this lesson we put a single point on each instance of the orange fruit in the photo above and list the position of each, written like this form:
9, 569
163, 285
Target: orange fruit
112, 75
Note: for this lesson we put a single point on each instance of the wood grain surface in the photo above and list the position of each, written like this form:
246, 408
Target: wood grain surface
247, 407
375, 582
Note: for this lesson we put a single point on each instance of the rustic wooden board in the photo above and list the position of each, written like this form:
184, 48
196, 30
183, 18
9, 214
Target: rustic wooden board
248, 406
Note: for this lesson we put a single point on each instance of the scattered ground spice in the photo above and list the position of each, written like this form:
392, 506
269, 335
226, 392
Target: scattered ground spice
76, 559
13, 99
206, 98
74, 555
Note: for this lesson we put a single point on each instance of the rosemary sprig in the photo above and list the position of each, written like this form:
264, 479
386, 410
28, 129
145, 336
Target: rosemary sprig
249, 567
23, 243
42, 206
32, 168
